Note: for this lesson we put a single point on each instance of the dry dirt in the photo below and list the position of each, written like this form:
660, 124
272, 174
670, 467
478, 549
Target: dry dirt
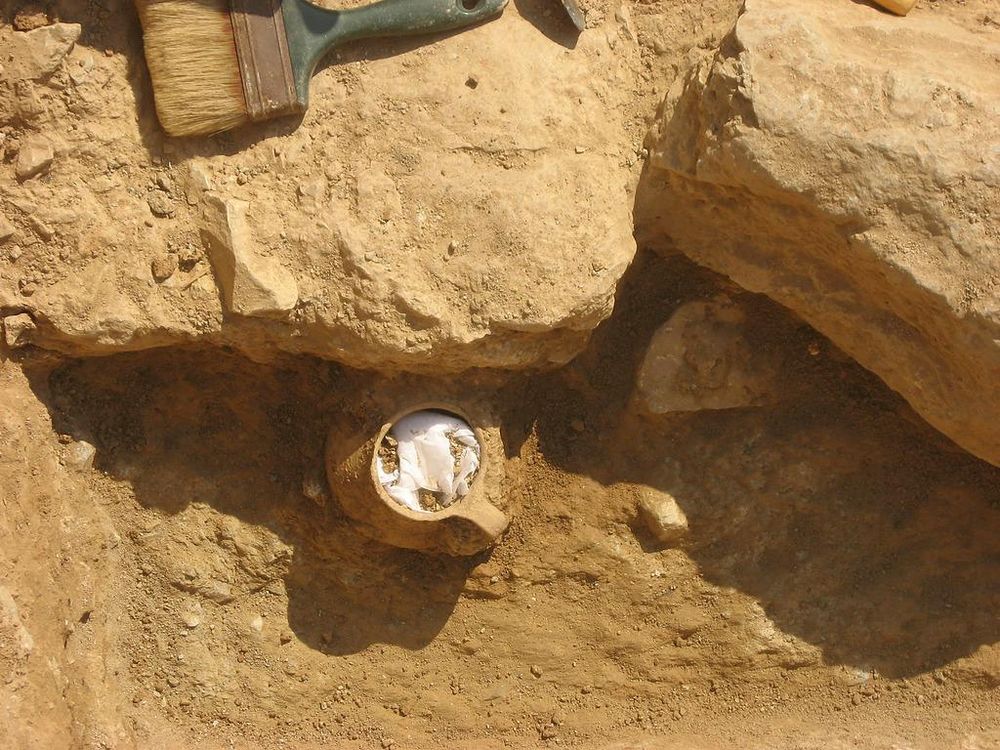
193, 584
199, 588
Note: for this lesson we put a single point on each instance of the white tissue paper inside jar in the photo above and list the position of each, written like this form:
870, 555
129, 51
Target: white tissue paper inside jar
427, 460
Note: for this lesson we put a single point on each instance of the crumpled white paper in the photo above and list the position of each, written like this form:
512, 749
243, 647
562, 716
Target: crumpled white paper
426, 461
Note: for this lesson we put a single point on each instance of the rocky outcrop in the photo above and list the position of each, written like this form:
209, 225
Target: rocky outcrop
427, 213
844, 162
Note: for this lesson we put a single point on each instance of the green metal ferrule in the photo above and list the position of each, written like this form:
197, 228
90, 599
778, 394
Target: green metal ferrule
313, 31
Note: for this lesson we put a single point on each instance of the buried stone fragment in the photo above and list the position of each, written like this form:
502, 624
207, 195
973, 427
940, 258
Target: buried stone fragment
662, 515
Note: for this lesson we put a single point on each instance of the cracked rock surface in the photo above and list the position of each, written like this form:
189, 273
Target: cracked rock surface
424, 214
844, 163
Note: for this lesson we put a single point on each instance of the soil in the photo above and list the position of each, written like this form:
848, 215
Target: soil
838, 587
191, 582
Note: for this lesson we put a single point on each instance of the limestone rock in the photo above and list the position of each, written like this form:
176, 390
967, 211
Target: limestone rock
455, 229
17, 330
701, 359
251, 285
7, 230
81, 455
662, 515
34, 158
38, 53
830, 160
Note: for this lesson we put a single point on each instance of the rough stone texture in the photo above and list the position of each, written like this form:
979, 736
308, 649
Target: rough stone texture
34, 157
428, 225
7, 230
17, 330
844, 162
662, 515
702, 358
251, 285
36, 54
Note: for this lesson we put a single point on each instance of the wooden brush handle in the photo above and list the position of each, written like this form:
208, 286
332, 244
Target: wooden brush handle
899, 7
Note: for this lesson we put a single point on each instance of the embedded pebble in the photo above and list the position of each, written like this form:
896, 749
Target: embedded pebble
80, 455
160, 203
662, 515
163, 266
34, 157
190, 620
17, 330
7, 229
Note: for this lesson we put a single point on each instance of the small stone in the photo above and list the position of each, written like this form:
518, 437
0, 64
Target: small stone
472, 82
471, 645
285, 637
218, 592
536, 670
314, 489
252, 284
190, 620
164, 183
34, 158
29, 104
30, 17
578, 425
257, 623
662, 515
81, 455
701, 359
160, 203
312, 192
42, 229
38, 53
173, 681
548, 732
580, 149
163, 266
18, 329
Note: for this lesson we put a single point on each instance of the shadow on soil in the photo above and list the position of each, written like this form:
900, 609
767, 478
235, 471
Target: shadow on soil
211, 427
857, 527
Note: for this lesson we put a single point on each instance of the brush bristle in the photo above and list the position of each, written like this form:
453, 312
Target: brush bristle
191, 54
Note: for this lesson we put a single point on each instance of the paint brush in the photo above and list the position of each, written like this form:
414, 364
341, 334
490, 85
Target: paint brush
217, 64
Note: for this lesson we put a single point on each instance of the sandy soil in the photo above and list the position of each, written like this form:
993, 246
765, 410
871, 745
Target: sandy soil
192, 583
198, 587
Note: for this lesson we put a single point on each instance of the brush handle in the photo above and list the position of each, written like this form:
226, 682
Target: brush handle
312, 31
